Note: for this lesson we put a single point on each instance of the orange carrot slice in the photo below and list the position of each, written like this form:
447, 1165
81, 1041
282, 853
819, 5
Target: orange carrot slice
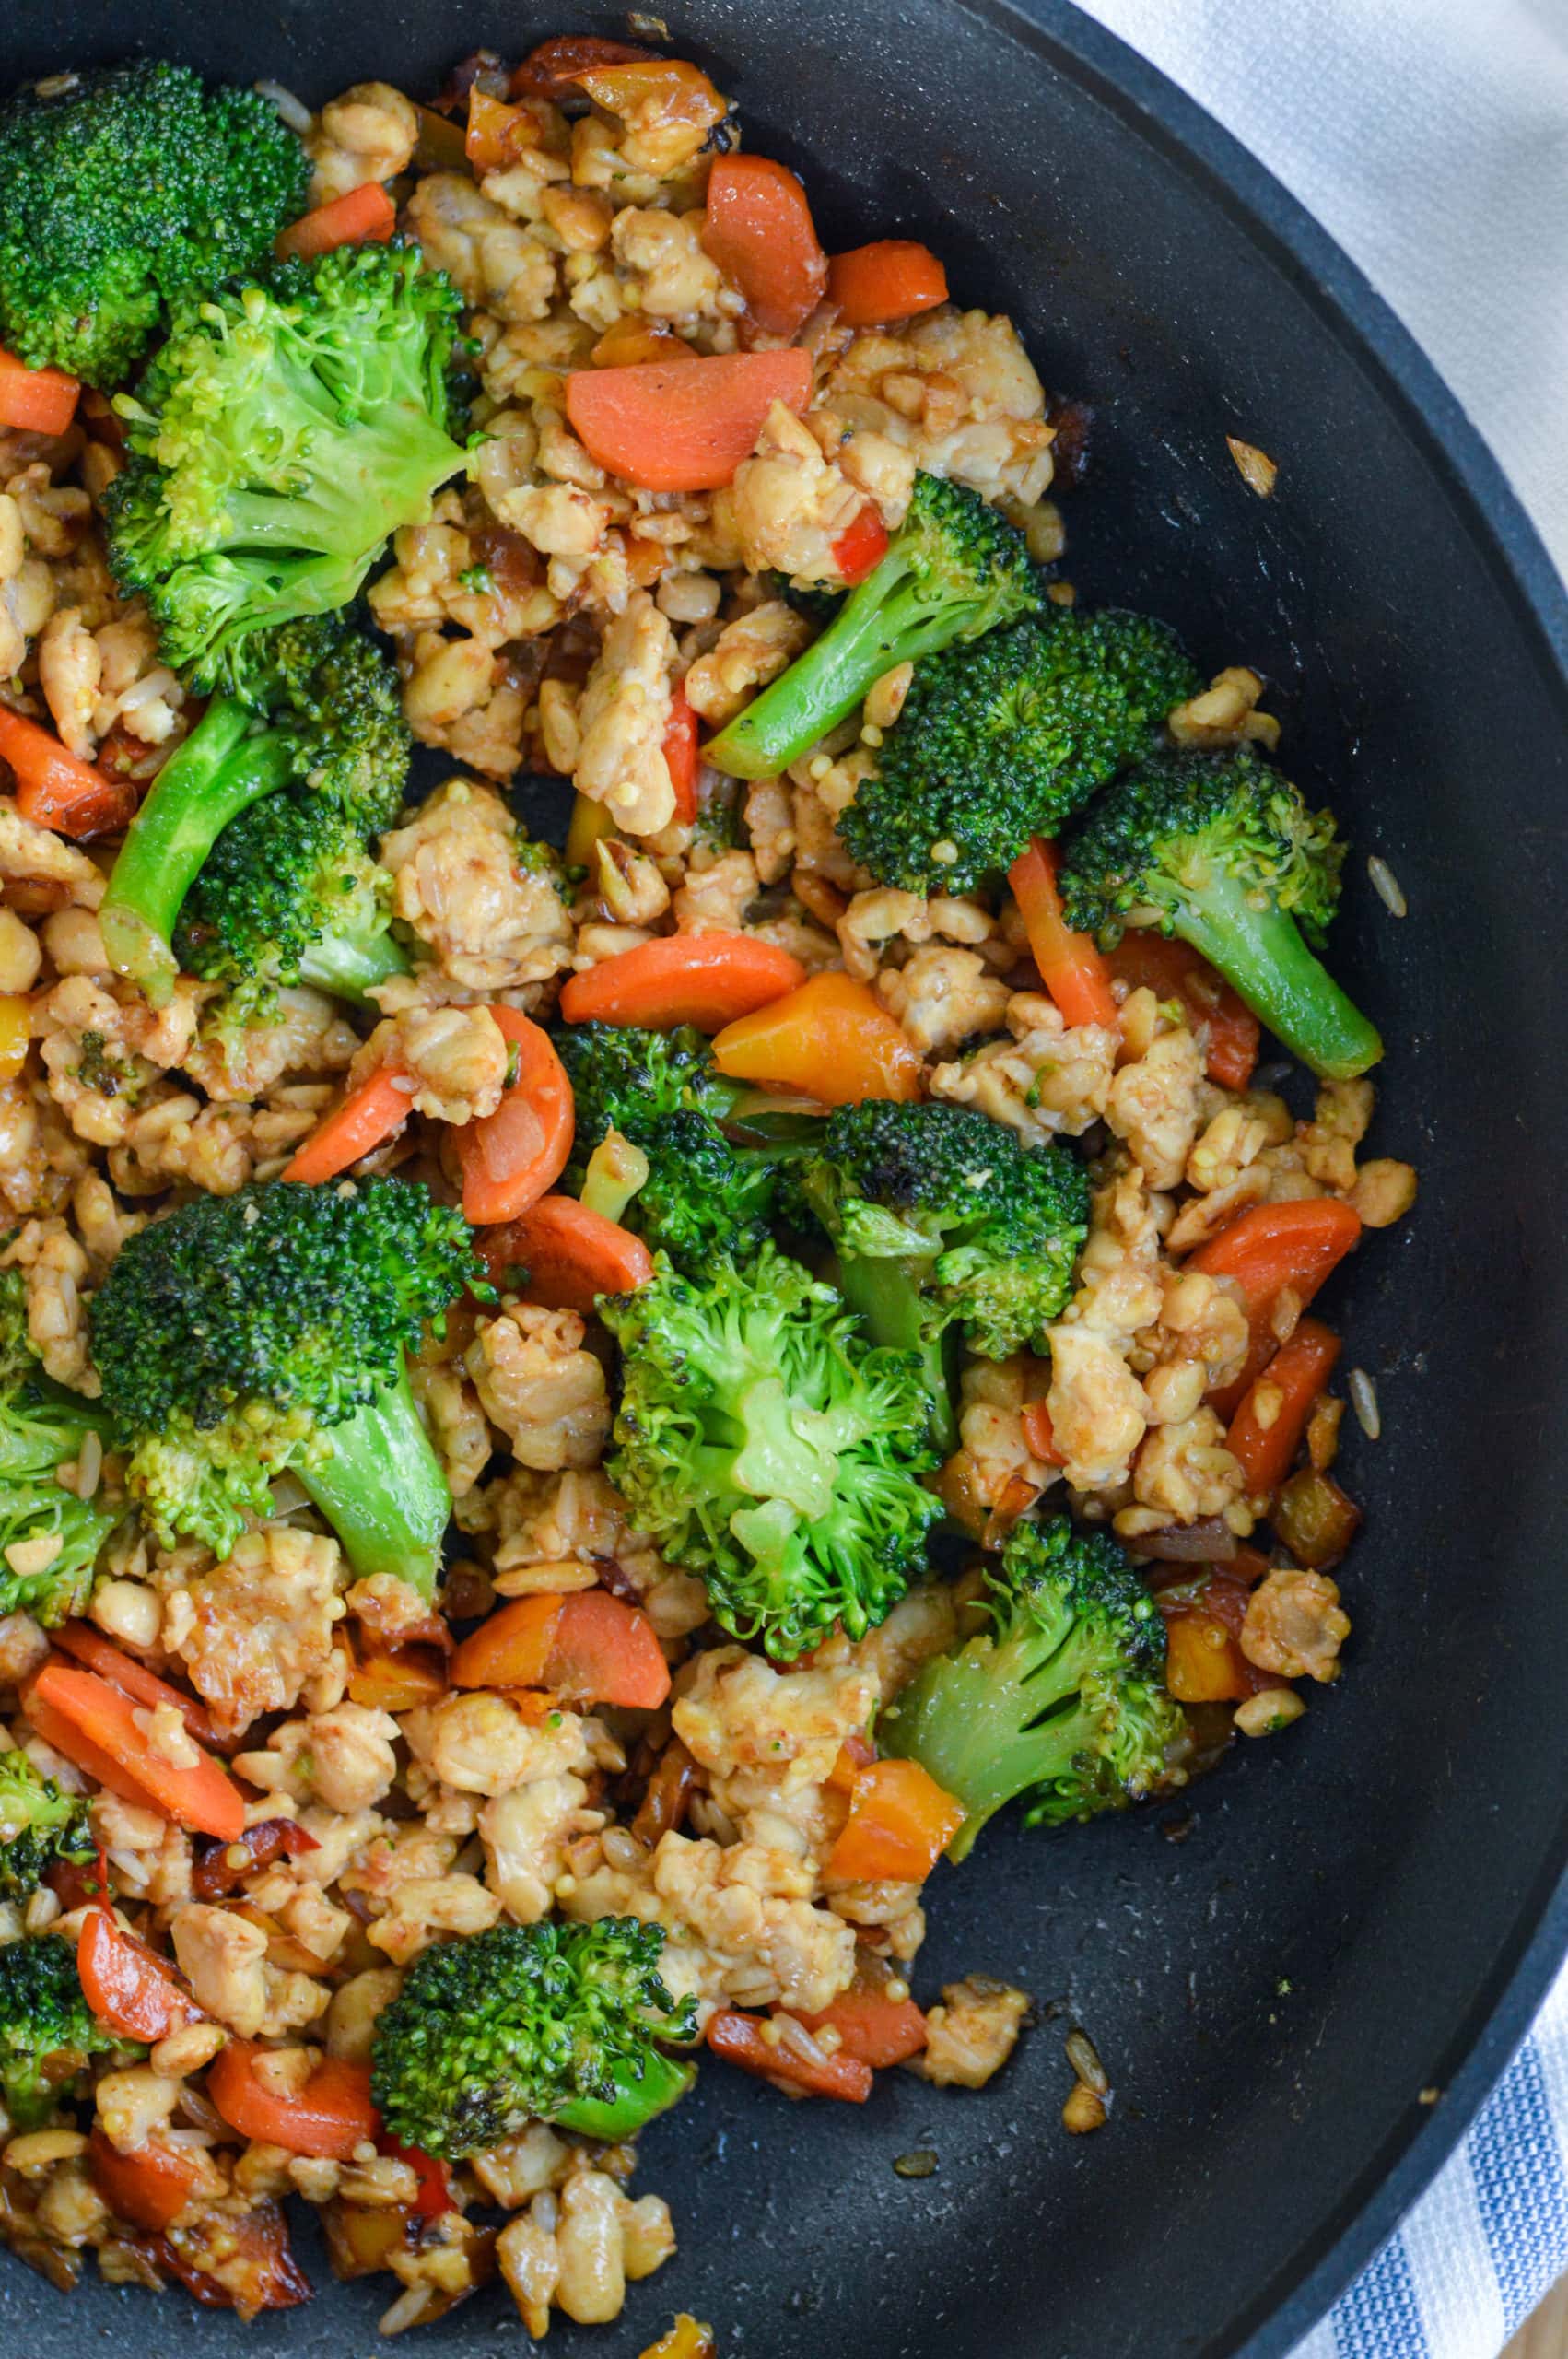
365, 216
571, 1254
91, 1713
758, 228
708, 980
56, 790
509, 1157
1267, 1430
357, 1127
36, 401
328, 2117
1070, 966
684, 424
890, 279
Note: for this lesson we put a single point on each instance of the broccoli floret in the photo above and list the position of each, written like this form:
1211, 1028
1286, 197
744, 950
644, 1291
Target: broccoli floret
48, 2034
1223, 851
245, 1335
764, 1445
41, 1423
99, 1068
619, 1074
283, 431
1007, 739
290, 893
1061, 1704
43, 1427
525, 2023
123, 192
703, 1199
320, 706
39, 1825
941, 1218
954, 569
36, 1508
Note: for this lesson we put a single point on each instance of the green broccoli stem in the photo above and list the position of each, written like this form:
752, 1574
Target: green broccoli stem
353, 965
885, 622
886, 1294
1260, 953
638, 2097
382, 1490
216, 774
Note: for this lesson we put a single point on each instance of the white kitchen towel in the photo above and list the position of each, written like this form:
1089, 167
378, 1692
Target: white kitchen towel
1431, 138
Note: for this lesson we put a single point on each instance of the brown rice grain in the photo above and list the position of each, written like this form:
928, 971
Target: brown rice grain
1365, 1402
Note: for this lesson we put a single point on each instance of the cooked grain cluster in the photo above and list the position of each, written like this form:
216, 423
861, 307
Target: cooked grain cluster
543, 619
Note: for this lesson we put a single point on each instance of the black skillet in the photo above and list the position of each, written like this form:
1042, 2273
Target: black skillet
1369, 1908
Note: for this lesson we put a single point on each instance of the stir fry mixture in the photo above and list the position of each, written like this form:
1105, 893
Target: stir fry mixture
574, 1413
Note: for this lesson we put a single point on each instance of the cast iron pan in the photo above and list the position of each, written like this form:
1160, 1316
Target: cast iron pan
1369, 1908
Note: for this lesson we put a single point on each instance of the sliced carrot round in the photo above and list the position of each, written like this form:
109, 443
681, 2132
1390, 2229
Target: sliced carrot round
36, 401
872, 2028
89, 1647
707, 979
56, 790
684, 424
1070, 965
1267, 1430
366, 1117
890, 279
739, 2039
131, 1991
571, 1254
679, 756
510, 1157
364, 216
93, 1715
604, 1652
329, 2117
758, 228
1297, 1244
511, 1647
149, 2187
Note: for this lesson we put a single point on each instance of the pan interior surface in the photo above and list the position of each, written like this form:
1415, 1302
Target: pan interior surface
1275, 1970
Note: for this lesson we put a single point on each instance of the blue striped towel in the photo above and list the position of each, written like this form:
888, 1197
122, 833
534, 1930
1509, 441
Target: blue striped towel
1469, 2263
1469, 158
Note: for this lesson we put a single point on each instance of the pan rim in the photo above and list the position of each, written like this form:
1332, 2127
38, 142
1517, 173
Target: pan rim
1269, 2323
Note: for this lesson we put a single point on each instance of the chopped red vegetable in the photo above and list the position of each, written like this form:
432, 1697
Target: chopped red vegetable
56, 790
861, 547
872, 2027
679, 756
